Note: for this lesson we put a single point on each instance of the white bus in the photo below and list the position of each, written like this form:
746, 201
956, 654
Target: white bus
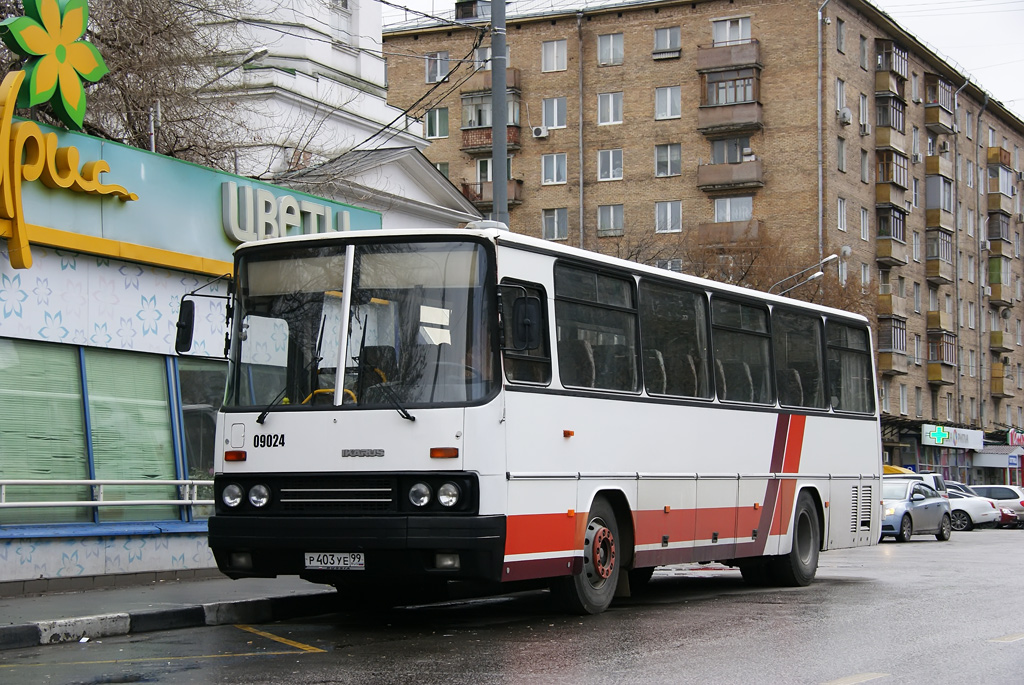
408, 407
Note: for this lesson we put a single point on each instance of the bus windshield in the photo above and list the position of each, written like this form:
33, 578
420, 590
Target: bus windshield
420, 325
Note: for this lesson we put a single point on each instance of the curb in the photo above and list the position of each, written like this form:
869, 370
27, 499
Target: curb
261, 610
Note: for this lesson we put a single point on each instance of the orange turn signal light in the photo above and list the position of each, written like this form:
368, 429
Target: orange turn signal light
234, 455
444, 452
568, 433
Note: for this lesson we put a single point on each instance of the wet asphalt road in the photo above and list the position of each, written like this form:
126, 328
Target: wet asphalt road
920, 612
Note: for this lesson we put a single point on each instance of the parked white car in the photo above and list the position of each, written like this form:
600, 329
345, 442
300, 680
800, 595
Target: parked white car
971, 511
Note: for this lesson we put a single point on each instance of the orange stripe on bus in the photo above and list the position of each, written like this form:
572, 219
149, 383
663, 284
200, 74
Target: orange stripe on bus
533, 533
652, 526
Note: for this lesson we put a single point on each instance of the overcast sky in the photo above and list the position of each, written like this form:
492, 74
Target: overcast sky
983, 38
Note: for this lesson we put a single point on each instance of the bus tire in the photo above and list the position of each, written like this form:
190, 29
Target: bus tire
797, 568
592, 590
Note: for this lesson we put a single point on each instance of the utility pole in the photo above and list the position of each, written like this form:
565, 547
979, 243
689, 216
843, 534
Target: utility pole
499, 114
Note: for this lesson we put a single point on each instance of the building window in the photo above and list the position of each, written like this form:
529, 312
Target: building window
556, 224
609, 165
609, 49
841, 214
841, 154
437, 66
437, 123
730, 87
553, 169
609, 108
970, 125
730, 150
917, 298
553, 55
865, 281
668, 217
666, 103
865, 166
971, 316
731, 31
970, 268
675, 265
865, 229
442, 167
554, 113
840, 35
892, 168
734, 208
970, 173
891, 113
918, 402
668, 160
609, 220
482, 58
840, 94
667, 40
917, 246
891, 224
903, 399
864, 53
918, 349
476, 111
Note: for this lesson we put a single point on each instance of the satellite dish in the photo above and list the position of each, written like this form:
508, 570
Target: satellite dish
845, 116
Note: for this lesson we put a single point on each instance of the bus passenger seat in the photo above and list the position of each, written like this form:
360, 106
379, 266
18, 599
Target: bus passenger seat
654, 372
737, 384
791, 390
576, 363
614, 367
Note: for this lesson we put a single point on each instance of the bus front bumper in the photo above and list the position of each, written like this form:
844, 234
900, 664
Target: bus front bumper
438, 547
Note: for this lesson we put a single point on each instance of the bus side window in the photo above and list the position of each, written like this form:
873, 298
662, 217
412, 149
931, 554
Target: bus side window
796, 341
741, 346
525, 366
849, 366
673, 332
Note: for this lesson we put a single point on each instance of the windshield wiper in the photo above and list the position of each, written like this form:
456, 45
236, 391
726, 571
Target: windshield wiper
313, 364
389, 393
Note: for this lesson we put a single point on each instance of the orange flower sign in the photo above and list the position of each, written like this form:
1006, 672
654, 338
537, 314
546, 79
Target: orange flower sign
50, 37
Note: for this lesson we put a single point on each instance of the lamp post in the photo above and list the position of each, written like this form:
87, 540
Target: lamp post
818, 266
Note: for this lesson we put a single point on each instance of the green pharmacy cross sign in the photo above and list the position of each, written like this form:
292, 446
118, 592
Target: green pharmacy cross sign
49, 36
939, 435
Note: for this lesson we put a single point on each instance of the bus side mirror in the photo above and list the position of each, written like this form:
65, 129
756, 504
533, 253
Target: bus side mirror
185, 325
526, 323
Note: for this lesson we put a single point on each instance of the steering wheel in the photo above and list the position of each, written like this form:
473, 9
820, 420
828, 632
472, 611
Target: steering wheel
458, 370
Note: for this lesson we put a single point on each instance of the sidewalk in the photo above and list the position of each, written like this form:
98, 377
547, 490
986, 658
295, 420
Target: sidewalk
163, 605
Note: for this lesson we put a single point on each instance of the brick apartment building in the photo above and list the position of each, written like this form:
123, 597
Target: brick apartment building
663, 120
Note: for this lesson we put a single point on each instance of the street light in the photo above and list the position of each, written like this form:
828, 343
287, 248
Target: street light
819, 274
813, 277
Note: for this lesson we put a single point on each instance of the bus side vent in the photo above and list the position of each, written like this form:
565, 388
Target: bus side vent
854, 509
867, 506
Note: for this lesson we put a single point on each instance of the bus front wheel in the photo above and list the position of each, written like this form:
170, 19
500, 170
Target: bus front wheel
797, 568
591, 591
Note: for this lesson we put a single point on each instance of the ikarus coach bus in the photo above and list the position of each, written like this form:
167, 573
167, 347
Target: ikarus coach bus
409, 408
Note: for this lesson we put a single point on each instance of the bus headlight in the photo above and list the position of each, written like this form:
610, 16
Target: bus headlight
448, 495
419, 494
259, 495
232, 495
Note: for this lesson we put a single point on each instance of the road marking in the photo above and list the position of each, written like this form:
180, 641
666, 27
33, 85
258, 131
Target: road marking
1008, 638
858, 678
282, 640
144, 659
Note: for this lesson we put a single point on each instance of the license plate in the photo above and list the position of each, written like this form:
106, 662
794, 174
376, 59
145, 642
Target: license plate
336, 561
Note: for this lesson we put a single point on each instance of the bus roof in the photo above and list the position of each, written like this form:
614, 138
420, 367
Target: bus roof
507, 238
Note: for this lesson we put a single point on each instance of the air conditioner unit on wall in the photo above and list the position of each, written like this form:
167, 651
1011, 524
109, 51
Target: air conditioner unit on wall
988, 291
865, 129
540, 131
915, 158
944, 146
986, 245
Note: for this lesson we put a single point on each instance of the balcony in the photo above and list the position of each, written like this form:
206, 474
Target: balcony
999, 294
938, 119
478, 140
891, 252
890, 194
886, 137
939, 218
728, 232
729, 56
997, 202
482, 194
1000, 248
940, 321
480, 82
939, 165
938, 271
741, 116
889, 83
1001, 385
892, 363
997, 156
1000, 341
941, 373
748, 174
892, 305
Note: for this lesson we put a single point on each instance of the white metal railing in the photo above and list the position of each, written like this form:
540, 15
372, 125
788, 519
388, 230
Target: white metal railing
188, 493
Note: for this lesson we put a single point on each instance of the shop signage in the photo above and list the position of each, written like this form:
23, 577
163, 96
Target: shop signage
1015, 437
948, 436
258, 214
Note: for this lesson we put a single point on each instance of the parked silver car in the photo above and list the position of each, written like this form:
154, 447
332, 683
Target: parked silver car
1008, 496
971, 511
912, 507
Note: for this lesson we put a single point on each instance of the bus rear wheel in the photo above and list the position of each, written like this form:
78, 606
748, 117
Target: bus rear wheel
797, 568
591, 591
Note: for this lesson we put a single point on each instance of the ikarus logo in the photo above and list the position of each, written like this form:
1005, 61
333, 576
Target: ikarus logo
362, 453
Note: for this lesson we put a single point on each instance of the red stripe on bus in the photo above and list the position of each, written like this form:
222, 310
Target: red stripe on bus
652, 526
534, 533
791, 465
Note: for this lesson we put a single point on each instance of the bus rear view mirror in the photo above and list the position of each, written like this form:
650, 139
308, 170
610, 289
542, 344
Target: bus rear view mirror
526, 323
185, 325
